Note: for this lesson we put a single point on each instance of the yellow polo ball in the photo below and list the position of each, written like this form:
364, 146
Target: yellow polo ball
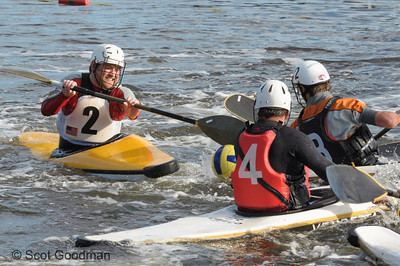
224, 161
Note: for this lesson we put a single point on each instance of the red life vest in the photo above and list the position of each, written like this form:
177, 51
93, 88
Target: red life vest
256, 185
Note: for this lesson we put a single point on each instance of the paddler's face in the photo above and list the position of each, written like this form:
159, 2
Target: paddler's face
107, 75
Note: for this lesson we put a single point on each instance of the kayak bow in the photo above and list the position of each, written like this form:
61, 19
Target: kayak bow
130, 155
381, 243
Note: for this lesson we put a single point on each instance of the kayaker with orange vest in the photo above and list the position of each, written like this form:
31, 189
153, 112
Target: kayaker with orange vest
336, 125
270, 173
86, 120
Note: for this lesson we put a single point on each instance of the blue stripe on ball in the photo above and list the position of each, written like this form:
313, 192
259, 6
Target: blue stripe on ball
217, 160
231, 158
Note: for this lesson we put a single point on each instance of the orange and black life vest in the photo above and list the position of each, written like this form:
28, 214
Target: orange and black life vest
360, 148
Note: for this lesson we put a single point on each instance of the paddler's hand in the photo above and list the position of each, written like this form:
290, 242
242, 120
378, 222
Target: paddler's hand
67, 88
129, 108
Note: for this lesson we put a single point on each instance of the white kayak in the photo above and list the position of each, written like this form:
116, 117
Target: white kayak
228, 223
381, 243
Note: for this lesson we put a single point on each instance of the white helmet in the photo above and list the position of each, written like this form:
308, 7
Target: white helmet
273, 93
310, 72
108, 53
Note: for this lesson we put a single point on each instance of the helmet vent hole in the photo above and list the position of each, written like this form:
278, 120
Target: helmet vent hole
262, 88
270, 88
283, 90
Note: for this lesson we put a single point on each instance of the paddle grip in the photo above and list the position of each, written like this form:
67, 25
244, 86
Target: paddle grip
55, 83
139, 106
393, 193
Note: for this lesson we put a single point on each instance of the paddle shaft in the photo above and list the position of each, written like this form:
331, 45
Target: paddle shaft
222, 129
381, 133
394, 193
121, 101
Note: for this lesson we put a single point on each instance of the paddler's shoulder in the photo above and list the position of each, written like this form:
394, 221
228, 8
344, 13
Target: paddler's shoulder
127, 92
73, 76
292, 133
319, 97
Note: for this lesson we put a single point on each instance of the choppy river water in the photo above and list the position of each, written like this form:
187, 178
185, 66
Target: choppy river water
183, 57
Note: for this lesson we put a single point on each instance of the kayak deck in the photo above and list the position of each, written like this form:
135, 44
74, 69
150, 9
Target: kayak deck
129, 155
227, 223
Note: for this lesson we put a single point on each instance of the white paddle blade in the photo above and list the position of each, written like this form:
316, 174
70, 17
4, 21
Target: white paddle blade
26, 73
240, 106
353, 186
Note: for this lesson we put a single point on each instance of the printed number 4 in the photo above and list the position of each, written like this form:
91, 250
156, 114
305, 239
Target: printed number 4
250, 159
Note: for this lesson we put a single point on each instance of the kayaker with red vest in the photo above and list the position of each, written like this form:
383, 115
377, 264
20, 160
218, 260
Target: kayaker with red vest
87, 120
270, 173
336, 125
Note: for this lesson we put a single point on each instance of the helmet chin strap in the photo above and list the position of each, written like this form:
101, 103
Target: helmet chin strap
288, 117
296, 92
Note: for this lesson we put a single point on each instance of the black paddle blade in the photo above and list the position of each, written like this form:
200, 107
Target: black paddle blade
240, 106
352, 185
220, 128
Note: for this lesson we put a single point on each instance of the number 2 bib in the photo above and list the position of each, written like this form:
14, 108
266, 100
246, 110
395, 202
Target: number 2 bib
90, 121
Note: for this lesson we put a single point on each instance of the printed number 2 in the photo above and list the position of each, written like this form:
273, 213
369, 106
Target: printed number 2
250, 158
320, 146
86, 129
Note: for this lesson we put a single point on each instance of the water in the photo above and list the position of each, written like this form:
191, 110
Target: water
184, 57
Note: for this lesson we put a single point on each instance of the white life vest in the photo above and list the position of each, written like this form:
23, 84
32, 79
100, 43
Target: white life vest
89, 122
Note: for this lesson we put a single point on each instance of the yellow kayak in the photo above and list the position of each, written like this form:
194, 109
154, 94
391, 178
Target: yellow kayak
128, 155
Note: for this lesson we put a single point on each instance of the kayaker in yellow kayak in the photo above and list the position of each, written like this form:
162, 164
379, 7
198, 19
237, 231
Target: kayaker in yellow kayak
270, 173
86, 120
338, 126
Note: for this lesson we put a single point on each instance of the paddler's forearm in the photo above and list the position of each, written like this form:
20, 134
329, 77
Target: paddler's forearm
313, 159
387, 119
53, 105
134, 115
129, 109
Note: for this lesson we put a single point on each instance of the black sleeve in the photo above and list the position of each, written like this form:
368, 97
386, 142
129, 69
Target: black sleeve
307, 153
